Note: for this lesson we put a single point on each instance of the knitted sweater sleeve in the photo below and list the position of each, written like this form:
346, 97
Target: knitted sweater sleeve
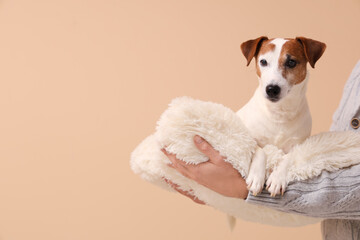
331, 195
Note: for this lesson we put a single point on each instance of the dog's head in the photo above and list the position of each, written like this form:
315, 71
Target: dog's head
281, 63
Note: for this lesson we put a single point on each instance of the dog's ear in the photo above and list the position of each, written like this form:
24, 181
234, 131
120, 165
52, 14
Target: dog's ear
313, 49
250, 48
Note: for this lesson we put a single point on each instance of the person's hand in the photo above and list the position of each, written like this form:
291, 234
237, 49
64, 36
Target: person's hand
215, 174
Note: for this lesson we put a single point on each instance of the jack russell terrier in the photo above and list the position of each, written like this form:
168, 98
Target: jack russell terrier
278, 113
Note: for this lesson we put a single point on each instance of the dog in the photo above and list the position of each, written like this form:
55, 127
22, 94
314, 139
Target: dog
278, 113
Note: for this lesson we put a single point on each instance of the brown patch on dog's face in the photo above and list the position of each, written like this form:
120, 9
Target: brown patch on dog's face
267, 46
292, 62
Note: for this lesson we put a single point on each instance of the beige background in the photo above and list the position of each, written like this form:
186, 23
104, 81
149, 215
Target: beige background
83, 82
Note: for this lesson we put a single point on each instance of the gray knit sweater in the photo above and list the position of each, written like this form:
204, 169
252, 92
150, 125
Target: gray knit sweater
332, 196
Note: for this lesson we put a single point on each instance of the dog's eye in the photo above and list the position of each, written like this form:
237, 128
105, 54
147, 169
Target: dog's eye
263, 62
290, 63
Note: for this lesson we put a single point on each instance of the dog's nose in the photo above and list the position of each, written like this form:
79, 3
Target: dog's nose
273, 91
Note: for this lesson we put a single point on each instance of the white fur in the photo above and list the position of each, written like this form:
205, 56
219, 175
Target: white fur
257, 172
225, 131
271, 74
284, 123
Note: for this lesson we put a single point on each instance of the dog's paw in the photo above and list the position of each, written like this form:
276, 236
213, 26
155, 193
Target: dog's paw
276, 183
255, 183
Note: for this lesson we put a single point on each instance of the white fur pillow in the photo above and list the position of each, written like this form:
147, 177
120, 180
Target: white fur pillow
223, 129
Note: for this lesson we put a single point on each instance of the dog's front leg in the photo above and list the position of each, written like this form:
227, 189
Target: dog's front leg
277, 180
256, 177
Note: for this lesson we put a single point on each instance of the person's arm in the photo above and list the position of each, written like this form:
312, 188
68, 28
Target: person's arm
330, 195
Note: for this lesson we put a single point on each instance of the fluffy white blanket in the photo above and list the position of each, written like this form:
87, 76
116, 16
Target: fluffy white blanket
223, 129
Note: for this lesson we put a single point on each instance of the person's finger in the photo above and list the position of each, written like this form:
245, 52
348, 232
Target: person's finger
187, 170
185, 193
213, 155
